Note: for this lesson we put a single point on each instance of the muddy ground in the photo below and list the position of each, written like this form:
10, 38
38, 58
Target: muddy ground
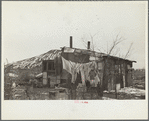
30, 93
27, 92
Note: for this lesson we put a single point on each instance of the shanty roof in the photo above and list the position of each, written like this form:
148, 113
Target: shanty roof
82, 51
91, 53
37, 60
52, 54
115, 57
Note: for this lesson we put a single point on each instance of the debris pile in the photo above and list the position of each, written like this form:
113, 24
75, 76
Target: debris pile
19, 93
140, 84
80, 91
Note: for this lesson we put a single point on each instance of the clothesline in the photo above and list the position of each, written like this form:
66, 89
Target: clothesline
74, 68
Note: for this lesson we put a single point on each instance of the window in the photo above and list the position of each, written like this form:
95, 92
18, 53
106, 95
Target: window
51, 65
48, 65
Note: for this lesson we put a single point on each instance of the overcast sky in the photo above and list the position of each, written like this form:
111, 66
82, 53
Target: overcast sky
33, 28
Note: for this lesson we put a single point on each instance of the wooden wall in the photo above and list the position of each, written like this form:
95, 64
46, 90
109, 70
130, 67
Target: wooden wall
116, 72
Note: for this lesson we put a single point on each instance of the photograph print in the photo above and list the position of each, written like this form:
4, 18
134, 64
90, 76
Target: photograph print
74, 50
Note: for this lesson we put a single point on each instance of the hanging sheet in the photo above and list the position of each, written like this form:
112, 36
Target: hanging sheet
71, 68
74, 68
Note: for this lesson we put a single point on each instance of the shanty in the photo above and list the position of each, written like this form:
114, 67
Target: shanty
74, 74
83, 70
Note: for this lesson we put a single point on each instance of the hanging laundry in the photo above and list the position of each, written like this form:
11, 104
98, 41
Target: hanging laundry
88, 70
82, 74
71, 67
95, 64
74, 71
97, 80
78, 68
66, 65
92, 74
74, 75
78, 79
74, 68
86, 66
100, 65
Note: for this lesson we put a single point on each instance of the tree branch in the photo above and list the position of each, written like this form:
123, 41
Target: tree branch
129, 50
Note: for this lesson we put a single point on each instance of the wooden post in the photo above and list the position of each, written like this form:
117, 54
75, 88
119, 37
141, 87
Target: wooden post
115, 91
56, 67
69, 85
115, 75
56, 75
47, 64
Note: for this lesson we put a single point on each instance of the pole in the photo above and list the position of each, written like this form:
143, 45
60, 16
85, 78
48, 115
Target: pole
115, 75
115, 91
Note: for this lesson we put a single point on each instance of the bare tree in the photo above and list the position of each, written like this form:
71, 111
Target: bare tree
93, 45
116, 41
129, 51
84, 40
110, 49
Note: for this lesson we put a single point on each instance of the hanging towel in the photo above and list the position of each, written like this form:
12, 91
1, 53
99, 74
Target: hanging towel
82, 74
74, 75
71, 67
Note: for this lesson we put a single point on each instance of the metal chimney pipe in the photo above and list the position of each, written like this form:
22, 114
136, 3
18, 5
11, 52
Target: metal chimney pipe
70, 41
88, 45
